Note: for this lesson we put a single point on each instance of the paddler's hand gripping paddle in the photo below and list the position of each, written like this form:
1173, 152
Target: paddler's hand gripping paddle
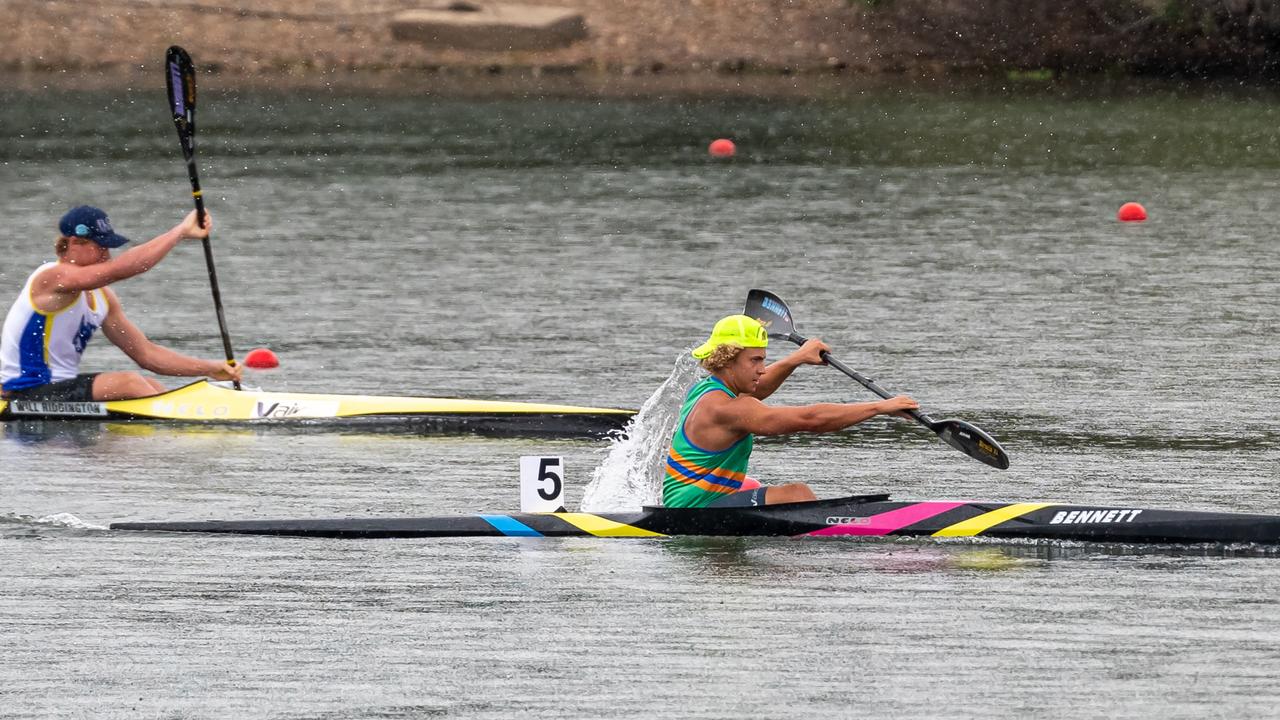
180, 77
965, 437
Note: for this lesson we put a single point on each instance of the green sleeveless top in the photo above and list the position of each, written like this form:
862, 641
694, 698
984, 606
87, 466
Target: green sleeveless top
697, 477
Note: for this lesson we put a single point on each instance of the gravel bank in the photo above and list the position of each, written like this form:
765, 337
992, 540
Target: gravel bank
112, 40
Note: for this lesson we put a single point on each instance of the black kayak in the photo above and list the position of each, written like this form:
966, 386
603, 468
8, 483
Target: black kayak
853, 516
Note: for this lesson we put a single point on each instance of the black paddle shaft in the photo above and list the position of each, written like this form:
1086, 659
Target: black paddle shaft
863, 380
969, 439
180, 77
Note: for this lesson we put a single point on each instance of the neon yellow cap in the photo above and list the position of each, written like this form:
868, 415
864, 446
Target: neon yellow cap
740, 329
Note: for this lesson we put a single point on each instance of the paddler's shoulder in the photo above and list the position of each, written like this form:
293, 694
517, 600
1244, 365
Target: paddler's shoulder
721, 404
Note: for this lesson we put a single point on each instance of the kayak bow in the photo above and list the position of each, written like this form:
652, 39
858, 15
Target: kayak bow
854, 516
202, 403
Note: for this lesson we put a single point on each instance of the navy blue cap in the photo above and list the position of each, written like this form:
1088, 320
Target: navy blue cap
92, 223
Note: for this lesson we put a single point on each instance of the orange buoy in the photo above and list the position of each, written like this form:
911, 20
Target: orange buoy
261, 359
722, 148
1131, 212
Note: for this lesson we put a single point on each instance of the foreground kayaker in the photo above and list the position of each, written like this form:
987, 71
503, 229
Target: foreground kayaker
721, 415
64, 302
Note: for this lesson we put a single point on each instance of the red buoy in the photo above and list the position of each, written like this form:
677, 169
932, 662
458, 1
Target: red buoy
261, 359
1131, 212
722, 148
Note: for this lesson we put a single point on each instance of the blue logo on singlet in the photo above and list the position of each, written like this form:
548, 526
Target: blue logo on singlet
83, 334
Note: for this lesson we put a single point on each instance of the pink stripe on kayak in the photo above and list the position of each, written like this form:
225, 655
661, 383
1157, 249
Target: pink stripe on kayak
887, 522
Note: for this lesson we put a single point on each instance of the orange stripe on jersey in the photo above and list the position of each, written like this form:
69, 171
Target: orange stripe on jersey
699, 470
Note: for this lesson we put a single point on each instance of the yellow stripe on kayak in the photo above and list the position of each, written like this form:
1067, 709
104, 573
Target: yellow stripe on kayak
3, 404
604, 527
978, 525
202, 401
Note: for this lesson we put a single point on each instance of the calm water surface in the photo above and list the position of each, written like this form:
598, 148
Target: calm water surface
963, 250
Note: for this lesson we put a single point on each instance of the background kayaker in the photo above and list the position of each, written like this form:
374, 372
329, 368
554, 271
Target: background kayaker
707, 463
64, 302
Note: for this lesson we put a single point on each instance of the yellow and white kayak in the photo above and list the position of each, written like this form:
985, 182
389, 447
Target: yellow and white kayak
203, 402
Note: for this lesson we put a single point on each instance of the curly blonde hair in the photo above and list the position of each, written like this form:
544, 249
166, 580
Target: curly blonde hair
721, 357
63, 242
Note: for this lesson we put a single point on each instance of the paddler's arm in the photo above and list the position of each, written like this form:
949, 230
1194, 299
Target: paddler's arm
158, 359
65, 278
747, 414
808, 354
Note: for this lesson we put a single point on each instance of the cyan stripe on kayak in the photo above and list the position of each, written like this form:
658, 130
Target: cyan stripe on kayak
510, 526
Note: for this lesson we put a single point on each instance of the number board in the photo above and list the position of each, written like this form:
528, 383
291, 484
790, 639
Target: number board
541, 484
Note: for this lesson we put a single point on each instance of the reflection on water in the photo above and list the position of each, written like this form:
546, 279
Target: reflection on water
654, 423
86, 433
1072, 550
69, 434
731, 555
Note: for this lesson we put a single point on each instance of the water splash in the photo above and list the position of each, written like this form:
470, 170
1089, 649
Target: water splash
57, 520
631, 474
67, 520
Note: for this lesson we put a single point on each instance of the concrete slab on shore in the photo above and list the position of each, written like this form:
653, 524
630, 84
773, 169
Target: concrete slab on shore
497, 27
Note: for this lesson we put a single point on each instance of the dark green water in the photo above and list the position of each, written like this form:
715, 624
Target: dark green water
963, 249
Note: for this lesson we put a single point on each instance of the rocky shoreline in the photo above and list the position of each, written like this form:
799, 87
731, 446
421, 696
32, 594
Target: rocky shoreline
271, 37
777, 45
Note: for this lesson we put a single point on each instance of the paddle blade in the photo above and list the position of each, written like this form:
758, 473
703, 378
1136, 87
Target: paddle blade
180, 77
772, 313
972, 441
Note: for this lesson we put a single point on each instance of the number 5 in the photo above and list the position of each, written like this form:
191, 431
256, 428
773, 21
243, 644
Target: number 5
541, 484
545, 473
